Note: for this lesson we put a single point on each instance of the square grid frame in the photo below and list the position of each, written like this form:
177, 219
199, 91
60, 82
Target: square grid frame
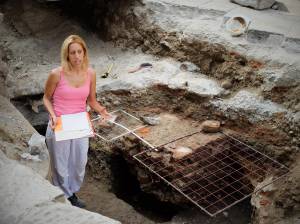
216, 176
123, 128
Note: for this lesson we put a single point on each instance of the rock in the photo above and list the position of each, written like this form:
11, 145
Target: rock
256, 4
26, 197
37, 146
116, 102
291, 44
154, 155
226, 84
225, 93
150, 120
250, 105
18, 65
188, 66
180, 152
288, 78
211, 126
35, 104
275, 6
297, 117
165, 45
28, 156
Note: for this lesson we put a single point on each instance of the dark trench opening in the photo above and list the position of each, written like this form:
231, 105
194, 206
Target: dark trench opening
41, 129
38, 119
126, 187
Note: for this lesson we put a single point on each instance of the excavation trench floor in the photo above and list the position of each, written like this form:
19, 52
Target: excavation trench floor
99, 199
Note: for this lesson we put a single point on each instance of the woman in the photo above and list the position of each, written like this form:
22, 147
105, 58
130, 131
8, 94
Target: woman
68, 90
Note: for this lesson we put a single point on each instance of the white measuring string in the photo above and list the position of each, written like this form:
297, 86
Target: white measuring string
130, 131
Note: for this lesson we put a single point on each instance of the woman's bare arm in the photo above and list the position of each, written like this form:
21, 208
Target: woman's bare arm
50, 86
92, 100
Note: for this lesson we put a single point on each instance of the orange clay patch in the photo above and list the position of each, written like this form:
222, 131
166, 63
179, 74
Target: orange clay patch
144, 130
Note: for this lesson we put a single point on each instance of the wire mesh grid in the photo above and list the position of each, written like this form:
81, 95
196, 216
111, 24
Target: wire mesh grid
113, 132
217, 175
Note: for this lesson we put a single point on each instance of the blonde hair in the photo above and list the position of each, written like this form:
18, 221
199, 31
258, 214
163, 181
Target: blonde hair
65, 63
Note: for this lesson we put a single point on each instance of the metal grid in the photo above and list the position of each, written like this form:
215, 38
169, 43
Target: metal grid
215, 176
127, 123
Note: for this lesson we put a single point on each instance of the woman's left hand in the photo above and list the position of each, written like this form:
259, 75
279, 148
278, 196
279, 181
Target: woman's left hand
105, 116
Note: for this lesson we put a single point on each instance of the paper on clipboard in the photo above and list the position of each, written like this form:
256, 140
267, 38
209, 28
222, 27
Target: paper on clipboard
73, 126
73, 122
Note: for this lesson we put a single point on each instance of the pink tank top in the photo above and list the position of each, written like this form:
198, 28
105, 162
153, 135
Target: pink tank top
68, 99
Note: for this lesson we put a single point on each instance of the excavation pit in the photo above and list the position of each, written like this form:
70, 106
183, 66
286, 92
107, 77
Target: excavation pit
214, 176
218, 171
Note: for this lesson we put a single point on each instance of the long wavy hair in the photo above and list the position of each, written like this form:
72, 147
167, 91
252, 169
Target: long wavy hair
65, 62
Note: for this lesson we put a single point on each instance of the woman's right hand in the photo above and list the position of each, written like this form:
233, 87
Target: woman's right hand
53, 121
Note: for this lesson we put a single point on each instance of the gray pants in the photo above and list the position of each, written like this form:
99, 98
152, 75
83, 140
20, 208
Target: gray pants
68, 161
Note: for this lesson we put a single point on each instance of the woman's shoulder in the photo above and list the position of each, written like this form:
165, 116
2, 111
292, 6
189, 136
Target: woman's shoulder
55, 73
91, 71
56, 70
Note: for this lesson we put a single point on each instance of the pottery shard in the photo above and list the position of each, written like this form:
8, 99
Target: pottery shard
211, 126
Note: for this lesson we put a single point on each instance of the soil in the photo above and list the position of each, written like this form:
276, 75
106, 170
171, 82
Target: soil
99, 199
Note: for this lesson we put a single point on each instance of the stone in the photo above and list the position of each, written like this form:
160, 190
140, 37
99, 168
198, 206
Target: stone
26, 197
265, 37
225, 93
297, 117
37, 146
36, 104
256, 4
288, 78
250, 105
28, 156
19, 65
189, 66
275, 6
165, 45
292, 44
226, 84
180, 152
150, 120
21, 189
211, 126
